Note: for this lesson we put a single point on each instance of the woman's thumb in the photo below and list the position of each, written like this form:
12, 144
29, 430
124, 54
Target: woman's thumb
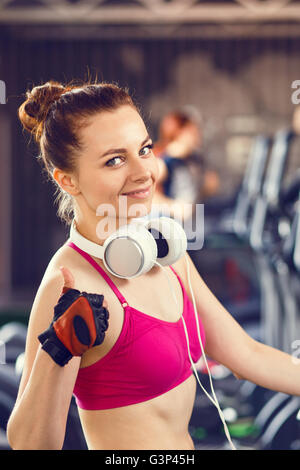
68, 278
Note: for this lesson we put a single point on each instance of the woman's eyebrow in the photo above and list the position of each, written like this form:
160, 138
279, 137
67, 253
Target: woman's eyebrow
122, 150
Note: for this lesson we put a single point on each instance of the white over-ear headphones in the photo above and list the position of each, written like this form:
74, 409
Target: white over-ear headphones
133, 249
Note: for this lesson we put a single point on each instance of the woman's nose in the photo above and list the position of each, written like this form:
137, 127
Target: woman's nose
139, 170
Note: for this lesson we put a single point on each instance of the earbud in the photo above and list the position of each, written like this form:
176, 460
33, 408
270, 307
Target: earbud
133, 249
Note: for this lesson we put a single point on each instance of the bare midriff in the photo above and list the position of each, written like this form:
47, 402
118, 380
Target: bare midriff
160, 423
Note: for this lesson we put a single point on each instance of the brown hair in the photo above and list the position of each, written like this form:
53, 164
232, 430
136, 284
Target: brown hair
54, 113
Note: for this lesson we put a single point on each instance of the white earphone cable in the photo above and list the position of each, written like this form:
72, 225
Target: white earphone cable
214, 400
216, 403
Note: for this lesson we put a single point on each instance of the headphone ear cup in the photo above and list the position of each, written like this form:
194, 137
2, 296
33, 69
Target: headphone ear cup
170, 239
130, 251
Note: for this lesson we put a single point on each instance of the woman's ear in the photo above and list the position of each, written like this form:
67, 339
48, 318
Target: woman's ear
66, 181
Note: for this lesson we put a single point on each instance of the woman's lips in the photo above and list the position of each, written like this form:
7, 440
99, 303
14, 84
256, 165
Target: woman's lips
139, 194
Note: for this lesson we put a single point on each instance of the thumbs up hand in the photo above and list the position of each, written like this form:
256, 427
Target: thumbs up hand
69, 281
80, 321
68, 278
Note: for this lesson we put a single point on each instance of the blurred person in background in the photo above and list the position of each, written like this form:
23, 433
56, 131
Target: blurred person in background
185, 178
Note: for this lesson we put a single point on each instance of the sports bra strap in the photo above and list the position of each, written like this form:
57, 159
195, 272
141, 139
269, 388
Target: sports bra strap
100, 271
180, 281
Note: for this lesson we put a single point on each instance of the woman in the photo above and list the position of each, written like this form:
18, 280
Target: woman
96, 149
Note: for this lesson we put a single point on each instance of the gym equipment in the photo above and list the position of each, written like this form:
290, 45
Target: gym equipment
13, 337
4, 445
230, 235
273, 238
276, 434
227, 247
261, 220
9, 384
251, 186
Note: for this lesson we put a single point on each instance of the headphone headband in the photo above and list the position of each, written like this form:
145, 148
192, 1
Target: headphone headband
90, 247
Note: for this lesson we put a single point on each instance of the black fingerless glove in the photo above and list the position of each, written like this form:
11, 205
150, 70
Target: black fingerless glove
79, 323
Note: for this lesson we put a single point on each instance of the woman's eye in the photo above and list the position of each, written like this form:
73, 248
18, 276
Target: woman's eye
111, 162
147, 149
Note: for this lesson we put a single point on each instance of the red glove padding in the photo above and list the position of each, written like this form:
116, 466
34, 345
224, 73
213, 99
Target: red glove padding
79, 323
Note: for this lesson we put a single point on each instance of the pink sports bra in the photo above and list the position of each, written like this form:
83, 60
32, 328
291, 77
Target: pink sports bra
149, 358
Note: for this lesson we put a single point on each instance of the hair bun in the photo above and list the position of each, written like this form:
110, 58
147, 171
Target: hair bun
33, 112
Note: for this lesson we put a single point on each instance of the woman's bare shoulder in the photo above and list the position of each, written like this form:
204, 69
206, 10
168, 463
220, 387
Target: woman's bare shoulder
64, 256
69, 258
86, 278
51, 283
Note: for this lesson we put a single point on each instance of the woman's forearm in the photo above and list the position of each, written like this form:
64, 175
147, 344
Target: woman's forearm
274, 369
39, 418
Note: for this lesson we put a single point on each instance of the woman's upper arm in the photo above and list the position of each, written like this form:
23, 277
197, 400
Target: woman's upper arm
226, 341
40, 318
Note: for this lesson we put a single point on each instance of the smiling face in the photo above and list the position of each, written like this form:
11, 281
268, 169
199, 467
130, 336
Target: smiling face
116, 159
